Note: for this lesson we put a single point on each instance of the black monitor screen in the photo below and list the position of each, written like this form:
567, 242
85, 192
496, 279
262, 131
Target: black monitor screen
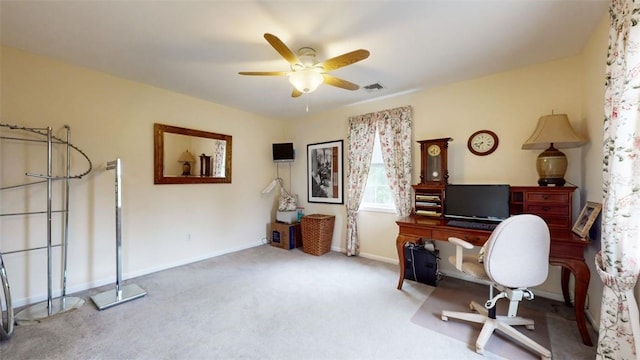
283, 152
477, 202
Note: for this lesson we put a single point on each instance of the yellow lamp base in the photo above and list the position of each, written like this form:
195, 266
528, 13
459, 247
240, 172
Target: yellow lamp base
186, 169
551, 166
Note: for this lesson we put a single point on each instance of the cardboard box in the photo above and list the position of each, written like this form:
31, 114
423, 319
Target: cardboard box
286, 236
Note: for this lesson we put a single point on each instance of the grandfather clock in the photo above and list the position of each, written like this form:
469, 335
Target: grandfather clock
433, 161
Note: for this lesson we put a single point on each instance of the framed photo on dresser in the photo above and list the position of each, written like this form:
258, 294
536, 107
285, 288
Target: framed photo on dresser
587, 217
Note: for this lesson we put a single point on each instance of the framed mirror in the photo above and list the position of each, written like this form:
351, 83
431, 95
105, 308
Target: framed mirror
188, 156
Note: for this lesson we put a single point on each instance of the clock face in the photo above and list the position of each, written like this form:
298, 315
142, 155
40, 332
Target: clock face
483, 142
433, 150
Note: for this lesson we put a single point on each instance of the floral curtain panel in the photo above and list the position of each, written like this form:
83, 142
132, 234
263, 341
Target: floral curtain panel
618, 263
362, 131
394, 129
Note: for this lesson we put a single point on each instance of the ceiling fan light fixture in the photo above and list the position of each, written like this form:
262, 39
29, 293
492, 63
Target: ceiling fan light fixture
306, 74
306, 80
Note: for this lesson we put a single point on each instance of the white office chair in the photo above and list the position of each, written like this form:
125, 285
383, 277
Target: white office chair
515, 257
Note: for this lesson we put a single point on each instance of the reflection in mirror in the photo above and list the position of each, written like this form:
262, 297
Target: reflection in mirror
187, 156
179, 158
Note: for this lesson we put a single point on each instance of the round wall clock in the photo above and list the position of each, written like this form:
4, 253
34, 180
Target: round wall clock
483, 142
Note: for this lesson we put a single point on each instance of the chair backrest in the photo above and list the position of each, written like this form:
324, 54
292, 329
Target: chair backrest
517, 252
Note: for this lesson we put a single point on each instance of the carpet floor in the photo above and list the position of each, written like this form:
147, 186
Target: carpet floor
261, 303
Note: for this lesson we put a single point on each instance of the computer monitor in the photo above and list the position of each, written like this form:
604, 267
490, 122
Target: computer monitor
483, 202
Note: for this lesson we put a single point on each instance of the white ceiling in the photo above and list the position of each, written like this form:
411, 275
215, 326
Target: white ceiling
198, 47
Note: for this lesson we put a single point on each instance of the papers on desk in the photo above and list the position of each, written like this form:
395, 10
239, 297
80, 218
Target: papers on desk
428, 213
426, 203
428, 198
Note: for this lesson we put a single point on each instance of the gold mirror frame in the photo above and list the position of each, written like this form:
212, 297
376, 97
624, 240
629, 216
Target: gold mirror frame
159, 176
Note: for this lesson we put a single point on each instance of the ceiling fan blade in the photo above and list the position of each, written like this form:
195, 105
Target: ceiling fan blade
282, 49
337, 82
344, 59
296, 93
264, 73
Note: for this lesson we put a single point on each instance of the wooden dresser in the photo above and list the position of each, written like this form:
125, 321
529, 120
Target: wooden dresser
553, 204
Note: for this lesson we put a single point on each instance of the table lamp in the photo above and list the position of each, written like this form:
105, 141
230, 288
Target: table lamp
553, 131
186, 158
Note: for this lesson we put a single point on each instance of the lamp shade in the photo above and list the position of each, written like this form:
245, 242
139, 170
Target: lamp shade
306, 80
553, 129
186, 157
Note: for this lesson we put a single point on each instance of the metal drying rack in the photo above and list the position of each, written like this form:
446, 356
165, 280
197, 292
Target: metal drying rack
121, 293
64, 303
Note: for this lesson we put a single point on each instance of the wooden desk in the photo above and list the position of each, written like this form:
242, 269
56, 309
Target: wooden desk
567, 251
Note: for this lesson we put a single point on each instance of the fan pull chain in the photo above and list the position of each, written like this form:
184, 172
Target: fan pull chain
307, 104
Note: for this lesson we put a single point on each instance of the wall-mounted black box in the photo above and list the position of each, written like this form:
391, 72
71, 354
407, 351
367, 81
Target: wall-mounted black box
421, 265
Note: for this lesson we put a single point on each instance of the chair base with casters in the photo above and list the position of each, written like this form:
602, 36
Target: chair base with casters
513, 259
502, 323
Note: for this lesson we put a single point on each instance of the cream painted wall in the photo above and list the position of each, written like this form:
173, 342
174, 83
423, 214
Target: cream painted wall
163, 225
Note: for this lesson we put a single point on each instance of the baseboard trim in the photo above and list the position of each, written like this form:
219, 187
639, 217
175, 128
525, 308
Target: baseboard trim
16, 303
379, 258
592, 321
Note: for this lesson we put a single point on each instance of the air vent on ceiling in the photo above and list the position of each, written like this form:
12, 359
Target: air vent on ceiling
373, 87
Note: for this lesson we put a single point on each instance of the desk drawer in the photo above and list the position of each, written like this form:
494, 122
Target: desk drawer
550, 209
417, 231
562, 198
473, 237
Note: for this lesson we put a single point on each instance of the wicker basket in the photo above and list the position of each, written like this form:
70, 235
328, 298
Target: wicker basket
317, 233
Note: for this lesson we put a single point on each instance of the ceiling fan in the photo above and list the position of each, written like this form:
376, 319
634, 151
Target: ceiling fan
306, 74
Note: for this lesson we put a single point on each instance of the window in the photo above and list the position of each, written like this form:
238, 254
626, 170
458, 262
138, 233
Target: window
377, 194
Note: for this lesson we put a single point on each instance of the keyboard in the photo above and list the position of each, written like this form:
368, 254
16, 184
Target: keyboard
472, 225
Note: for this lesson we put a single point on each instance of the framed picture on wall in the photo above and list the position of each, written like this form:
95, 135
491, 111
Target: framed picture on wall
585, 220
325, 172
